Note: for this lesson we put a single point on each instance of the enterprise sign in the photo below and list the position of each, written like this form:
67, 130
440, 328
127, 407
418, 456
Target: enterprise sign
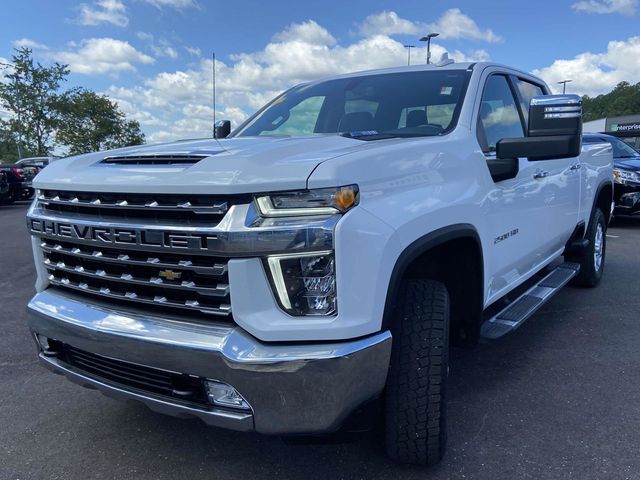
627, 128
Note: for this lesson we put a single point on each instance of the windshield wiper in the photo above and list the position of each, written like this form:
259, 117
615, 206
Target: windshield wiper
628, 156
374, 135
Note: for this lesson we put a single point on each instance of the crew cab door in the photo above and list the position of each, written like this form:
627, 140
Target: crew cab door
560, 179
532, 211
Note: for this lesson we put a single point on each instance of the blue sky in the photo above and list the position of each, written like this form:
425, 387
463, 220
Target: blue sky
153, 56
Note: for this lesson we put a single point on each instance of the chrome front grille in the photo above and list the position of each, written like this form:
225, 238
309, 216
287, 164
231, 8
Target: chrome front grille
197, 284
194, 209
169, 265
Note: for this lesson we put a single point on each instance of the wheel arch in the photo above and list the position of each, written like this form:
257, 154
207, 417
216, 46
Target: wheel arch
435, 250
603, 199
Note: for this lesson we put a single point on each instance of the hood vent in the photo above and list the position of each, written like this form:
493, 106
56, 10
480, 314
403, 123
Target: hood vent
159, 159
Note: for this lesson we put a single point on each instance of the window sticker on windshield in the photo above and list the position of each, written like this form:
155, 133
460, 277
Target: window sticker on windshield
278, 100
446, 90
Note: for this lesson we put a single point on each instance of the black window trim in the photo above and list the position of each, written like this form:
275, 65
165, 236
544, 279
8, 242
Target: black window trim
513, 79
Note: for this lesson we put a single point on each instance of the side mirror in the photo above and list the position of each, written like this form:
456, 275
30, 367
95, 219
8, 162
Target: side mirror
222, 129
555, 130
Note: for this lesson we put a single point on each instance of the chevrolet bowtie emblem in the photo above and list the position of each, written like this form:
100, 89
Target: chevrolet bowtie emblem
170, 274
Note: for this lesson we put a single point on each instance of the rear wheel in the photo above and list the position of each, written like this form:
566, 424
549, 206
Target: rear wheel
592, 258
415, 406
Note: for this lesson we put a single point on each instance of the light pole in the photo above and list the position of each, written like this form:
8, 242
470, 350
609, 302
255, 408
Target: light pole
428, 40
409, 47
564, 85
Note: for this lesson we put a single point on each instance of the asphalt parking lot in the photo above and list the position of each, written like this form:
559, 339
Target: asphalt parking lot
559, 398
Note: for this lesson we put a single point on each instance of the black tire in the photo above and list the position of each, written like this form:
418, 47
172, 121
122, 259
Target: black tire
8, 200
415, 397
590, 271
27, 194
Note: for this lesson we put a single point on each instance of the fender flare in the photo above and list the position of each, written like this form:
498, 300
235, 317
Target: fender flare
419, 247
601, 187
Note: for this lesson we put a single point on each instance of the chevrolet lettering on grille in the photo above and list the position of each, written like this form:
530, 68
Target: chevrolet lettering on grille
114, 235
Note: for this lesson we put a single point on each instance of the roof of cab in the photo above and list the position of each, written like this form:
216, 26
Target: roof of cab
424, 67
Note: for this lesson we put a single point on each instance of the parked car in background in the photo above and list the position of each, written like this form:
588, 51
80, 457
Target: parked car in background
19, 178
4, 188
626, 173
39, 162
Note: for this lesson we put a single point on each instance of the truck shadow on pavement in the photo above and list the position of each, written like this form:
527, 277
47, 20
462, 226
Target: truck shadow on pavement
477, 376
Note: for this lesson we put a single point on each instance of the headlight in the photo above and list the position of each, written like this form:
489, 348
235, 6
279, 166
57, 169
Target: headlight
624, 176
323, 201
305, 283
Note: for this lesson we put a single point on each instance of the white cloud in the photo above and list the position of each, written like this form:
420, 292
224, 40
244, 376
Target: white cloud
145, 36
103, 56
388, 23
164, 51
596, 73
181, 99
308, 32
179, 4
146, 118
194, 51
623, 7
451, 24
455, 24
28, 43
103, 11
160, 48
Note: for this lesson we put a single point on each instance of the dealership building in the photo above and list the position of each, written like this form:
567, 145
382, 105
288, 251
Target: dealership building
626, 127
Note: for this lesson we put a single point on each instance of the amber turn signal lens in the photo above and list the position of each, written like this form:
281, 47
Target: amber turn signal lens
345, 198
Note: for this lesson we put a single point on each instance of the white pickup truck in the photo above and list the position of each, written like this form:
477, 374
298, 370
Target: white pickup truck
323, 255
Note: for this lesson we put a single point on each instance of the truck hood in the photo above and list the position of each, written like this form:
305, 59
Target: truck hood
232, 166
632, 163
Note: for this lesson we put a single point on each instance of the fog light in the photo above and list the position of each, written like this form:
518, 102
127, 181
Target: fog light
223, 395
49, 348
42, 341
305, 283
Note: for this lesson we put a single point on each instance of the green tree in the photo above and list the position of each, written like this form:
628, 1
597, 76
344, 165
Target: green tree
624, 99
29, 93
91, 122
9, 145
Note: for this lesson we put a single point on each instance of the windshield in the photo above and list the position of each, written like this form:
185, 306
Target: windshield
403, 104
621, 149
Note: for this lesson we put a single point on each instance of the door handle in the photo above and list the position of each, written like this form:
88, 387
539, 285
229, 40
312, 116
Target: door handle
541, 174
575, 166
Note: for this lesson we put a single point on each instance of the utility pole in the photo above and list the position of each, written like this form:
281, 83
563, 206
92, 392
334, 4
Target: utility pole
409, 47
428, 40
213, 90
564, 85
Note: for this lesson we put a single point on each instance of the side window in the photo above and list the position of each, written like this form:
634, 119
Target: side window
300, 120
498, 117
527, 91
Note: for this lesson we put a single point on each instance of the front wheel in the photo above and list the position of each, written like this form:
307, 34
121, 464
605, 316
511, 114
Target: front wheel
415, 397
592, 259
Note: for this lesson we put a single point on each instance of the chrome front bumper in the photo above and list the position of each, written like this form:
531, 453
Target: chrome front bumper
292, 388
